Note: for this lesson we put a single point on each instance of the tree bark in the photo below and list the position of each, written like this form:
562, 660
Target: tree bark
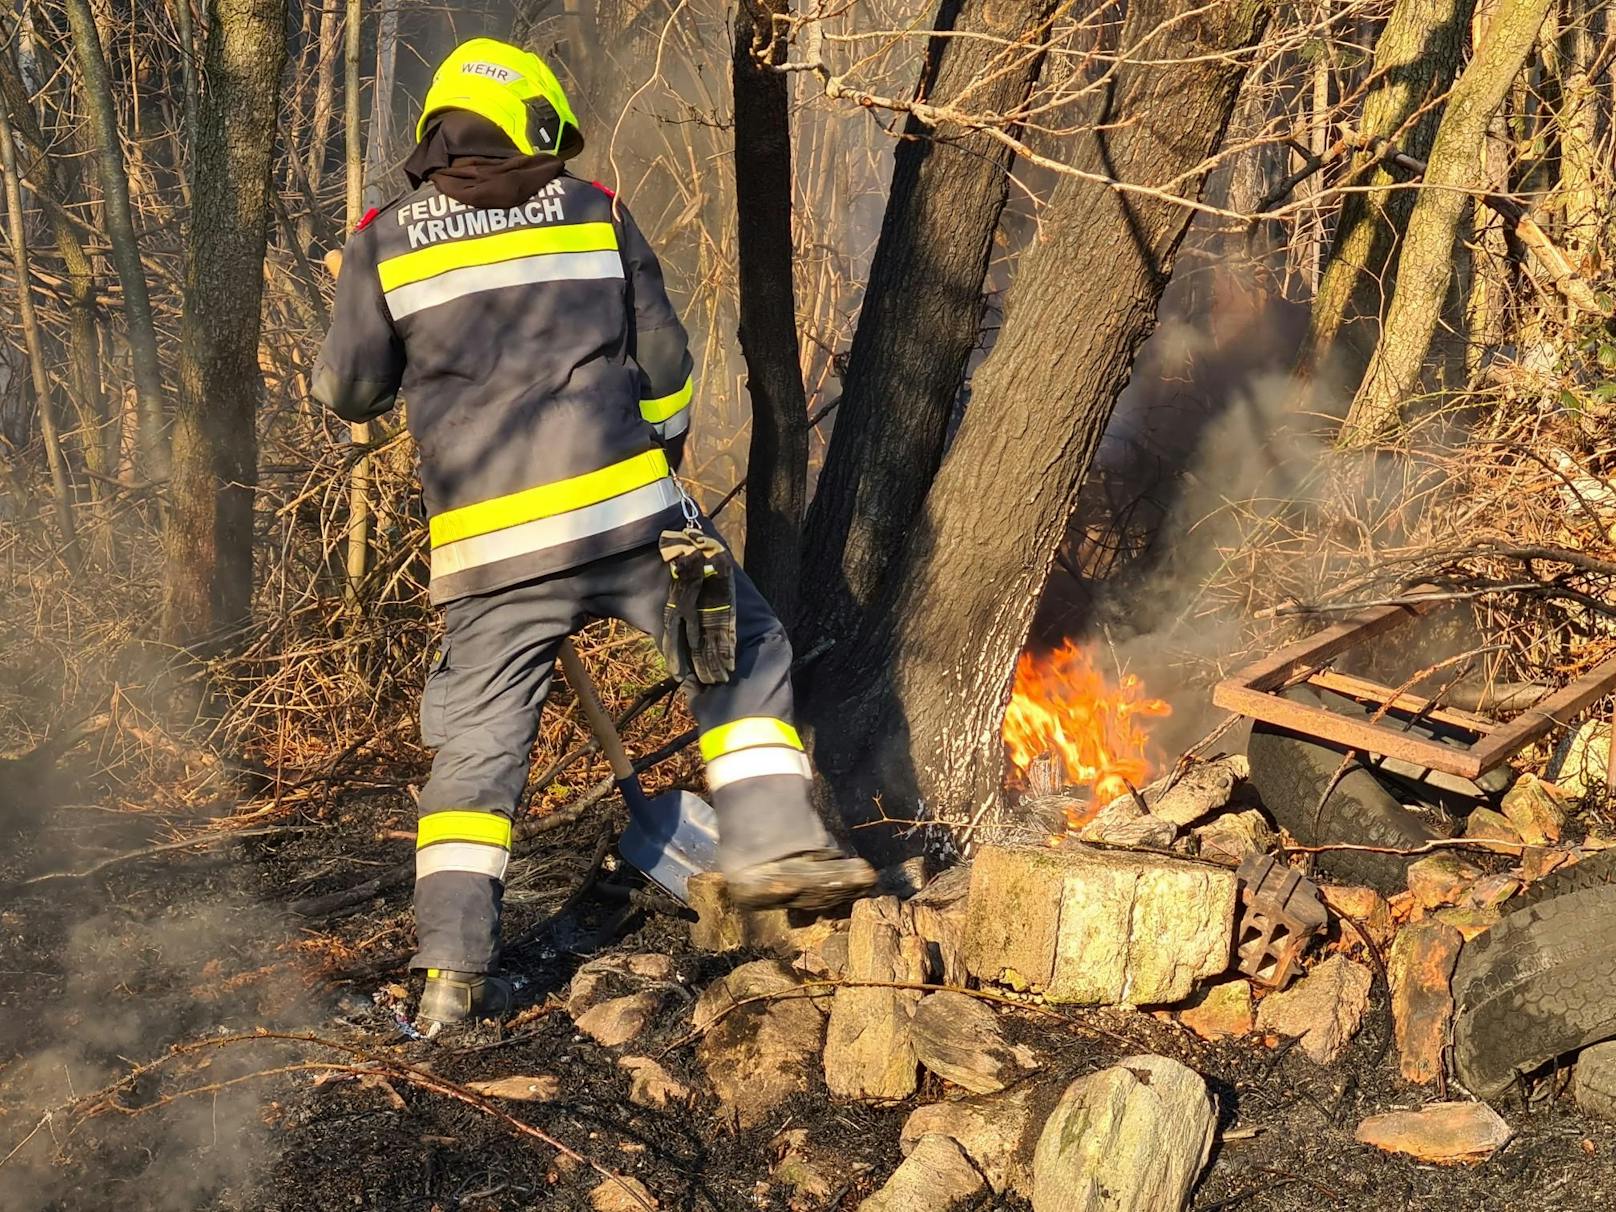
908, 723
152, 456
358, 544
1453, 173
1578, 120
777, 470
209, 540
1416, 57
922, 315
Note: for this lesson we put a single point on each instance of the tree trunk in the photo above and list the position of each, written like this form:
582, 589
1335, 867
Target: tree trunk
209, 541
187, 32
1578, 120
358, 547
17, 233
152, 447
325, 88
1416, 57
777, 471
907, 724
922, 315
55, 190
1453, 174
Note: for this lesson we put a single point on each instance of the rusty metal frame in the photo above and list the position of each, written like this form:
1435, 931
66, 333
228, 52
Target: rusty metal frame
1253, 691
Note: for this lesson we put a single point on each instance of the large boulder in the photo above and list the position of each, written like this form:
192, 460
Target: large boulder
1131, 1138
1098, 927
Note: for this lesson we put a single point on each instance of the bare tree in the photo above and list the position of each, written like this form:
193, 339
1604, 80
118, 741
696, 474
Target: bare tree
1451, 177
209, 541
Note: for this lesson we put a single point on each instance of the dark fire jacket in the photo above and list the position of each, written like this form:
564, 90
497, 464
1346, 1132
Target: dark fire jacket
547, 374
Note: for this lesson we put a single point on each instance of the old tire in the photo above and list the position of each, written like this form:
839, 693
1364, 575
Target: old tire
1291, 772
1542, 983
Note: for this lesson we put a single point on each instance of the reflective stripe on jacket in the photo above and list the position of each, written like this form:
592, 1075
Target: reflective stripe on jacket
547, 375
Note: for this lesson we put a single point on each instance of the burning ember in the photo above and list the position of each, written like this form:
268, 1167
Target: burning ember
1063, 706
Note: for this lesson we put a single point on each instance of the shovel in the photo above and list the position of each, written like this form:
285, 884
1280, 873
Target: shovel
670, 837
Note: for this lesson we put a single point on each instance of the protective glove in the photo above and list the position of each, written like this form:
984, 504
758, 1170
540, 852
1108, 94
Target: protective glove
698, 623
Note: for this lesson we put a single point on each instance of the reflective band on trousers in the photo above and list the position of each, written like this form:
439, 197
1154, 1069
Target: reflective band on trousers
547, 533
462, 856
756, 763
747, 733
477, 842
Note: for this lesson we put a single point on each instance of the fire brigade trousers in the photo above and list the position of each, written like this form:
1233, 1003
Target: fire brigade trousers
481, 710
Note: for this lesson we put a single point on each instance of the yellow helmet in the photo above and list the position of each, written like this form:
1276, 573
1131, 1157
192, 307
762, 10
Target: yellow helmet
513, 88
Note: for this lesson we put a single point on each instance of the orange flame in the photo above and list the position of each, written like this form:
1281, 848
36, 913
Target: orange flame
1062, 705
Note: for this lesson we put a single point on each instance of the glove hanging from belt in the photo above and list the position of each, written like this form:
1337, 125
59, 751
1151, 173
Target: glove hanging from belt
698, 624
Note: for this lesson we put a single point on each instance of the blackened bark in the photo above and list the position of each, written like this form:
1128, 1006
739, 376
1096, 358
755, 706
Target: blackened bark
777, 470
907, 719
209, 540
922, 313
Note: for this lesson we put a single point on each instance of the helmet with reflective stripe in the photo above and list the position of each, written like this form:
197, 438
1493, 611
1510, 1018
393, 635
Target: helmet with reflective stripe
514, 89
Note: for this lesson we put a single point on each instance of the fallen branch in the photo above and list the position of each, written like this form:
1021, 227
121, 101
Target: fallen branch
166, 848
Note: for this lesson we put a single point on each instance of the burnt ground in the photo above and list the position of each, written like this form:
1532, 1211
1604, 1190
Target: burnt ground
99, 975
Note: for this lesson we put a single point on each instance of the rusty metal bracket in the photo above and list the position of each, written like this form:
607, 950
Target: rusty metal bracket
1253, 691
1280, 914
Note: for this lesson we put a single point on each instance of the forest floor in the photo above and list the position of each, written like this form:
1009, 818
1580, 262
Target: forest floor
99, 975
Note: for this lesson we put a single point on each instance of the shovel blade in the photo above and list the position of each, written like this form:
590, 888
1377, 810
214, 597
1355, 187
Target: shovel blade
671, 838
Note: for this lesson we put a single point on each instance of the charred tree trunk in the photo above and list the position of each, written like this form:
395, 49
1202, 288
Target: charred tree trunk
922, 314
1416, 57
152, 446
209, 540
777, 470
907, 721
1452, 175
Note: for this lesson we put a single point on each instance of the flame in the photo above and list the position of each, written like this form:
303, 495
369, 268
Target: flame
1063, 705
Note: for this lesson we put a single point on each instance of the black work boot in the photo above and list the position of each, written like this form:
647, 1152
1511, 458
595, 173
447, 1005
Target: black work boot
815, 880
454, 997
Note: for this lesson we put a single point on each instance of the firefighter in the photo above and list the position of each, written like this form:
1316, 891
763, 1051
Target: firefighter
523, 316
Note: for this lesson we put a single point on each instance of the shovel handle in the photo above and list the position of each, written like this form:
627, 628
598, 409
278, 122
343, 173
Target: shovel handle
595, 712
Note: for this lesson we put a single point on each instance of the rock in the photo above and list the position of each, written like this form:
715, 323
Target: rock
1098, 927
618, 1020
1204, 789
998, 1132
1536, 809
761, 1053
540, 1088
934, 1177
1581, 761
610, 1196
650, 1085
1449, 1133
1469, 920
1441, 879
1363, 910
903, 880
1540, 861
1123, 822
1489, 826
721, 925
615, 975
1221, 1011
1229, 838
959, 1039
1490, 891
1420, 973
829, 958
869, 1045
938, 913
810, 1173
1593, 1081
1131, 1138
1325, 1008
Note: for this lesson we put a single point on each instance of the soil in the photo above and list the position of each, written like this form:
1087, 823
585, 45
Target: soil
100, 975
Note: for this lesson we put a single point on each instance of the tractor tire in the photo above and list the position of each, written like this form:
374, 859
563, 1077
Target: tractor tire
1291, 773
1541, 983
